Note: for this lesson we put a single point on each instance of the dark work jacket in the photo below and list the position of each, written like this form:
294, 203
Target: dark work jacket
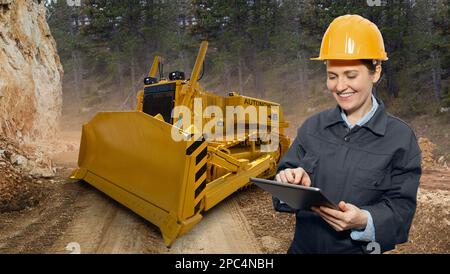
376, 166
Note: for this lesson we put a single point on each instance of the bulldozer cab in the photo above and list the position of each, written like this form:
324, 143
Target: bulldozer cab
160, 99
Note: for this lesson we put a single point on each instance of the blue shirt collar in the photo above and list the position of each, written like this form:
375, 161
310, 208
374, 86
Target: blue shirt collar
366, 117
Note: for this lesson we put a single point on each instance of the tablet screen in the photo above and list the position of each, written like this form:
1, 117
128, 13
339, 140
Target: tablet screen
296, 196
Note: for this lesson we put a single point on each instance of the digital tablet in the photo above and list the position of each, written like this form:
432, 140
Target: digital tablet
296, 196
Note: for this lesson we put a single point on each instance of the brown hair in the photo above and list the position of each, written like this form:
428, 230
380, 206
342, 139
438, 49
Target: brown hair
370, 64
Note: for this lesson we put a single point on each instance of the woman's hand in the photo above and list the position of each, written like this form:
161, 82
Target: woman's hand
351, 217
297, 176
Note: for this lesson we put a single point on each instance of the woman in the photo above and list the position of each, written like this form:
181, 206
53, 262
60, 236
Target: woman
364, 159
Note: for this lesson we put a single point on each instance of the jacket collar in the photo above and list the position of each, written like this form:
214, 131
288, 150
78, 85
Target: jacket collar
377, 124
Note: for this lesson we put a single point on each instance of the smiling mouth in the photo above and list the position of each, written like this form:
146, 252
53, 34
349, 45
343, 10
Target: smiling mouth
345, 94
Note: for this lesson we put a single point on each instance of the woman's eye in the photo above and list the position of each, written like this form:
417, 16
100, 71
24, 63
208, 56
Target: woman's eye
331, 77
352, 76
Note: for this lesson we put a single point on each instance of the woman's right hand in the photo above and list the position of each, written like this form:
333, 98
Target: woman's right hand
297, 176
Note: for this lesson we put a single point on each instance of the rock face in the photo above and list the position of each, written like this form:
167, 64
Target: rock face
30, 73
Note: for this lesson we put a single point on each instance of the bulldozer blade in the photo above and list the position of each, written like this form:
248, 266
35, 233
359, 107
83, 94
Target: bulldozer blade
132, 158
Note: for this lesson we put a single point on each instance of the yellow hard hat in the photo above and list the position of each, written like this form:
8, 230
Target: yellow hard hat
352, 37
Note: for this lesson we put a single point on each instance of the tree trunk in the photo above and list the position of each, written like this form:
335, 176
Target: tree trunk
390, 80
257, 80
76, 60
132, 72
77, 72
434, 55
302, 72
240, 83
119, 75
227, 78
436, 75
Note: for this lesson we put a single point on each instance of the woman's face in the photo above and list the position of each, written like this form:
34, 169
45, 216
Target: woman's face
351, 84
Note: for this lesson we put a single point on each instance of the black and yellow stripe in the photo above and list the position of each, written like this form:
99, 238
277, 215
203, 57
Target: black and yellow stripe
199, 149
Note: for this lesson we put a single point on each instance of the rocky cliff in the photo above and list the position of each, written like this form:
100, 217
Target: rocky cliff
30, 73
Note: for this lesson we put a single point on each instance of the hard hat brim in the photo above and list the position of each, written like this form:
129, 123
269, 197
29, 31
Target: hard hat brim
347, 58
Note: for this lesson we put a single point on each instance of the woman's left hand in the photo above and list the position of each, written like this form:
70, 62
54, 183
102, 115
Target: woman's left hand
351, 217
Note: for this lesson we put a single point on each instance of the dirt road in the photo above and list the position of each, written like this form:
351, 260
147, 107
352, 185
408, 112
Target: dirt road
74, 213
224, 229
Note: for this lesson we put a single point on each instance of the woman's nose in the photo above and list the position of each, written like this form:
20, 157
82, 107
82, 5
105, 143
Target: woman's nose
341, 85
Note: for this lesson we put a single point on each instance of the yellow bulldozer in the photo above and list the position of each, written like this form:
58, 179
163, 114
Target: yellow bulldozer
139, 159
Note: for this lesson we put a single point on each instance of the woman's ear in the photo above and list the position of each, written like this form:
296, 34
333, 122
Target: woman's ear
377, 74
